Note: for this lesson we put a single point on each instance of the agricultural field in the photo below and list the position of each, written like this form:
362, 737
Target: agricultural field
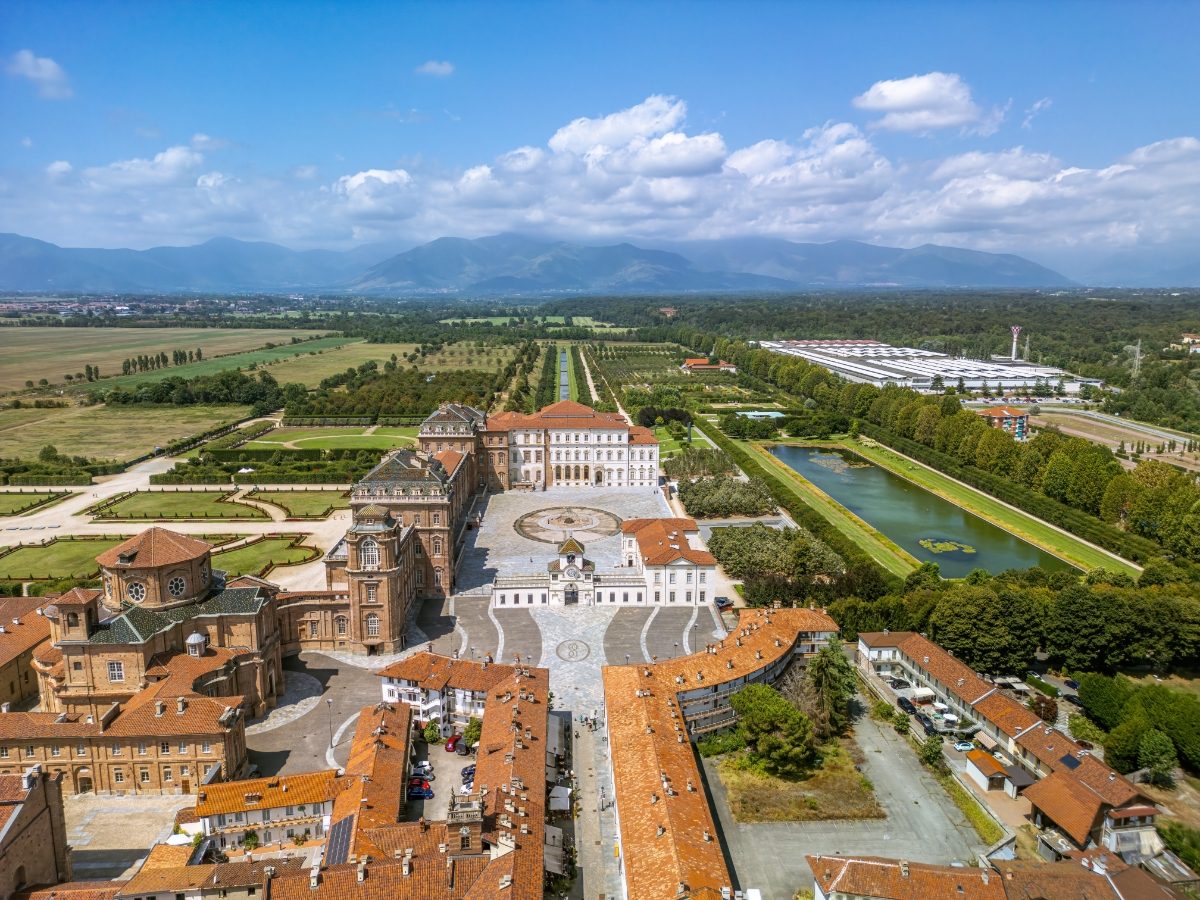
182, 505
260, 556
14, 503
379, 437
30, 354
304, 504
1112, 434
311, 369
258, 358
107, 432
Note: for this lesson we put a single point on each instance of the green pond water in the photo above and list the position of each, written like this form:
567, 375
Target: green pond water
928, 527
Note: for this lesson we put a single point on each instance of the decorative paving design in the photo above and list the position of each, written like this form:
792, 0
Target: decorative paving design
573, 650
555, 524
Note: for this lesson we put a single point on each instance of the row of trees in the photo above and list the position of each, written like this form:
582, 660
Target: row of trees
259, 390
722, 496
150, 362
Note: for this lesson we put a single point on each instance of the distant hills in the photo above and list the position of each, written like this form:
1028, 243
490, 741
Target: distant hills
509, 264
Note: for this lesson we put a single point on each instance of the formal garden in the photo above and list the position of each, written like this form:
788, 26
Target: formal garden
174, 505
303, 504
13, 503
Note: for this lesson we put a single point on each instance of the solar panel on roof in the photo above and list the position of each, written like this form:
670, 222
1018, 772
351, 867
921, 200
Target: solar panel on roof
1070, 761
337, 845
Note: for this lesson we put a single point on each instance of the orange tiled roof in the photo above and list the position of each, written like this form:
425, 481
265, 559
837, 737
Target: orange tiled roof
875, 639
213, 875
32, 630
985, 763
563, 414
892, 879
1070, 805
662, 541
154, 547
957, 677
640, 436
18, 725
1006, 714
435, 673
277, 790
76, 890
167, 856
1049, 745
76, 596
201, 715
450, 460
12, 788
1002, 412
432, 876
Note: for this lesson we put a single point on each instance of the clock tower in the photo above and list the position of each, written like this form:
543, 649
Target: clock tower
572, 576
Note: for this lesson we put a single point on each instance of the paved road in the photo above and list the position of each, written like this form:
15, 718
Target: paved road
922, 823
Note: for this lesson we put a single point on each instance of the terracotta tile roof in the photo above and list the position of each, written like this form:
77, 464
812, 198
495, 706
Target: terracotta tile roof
154, 547
1071, 806
177, 673
1049, 745
662, 541
1002, 412
18, 725
213, 875
1006, 714
955, 676
277, 790
985, 763
876, 639
201, 715
892, 879
563, 414
1103, 780
75, 890
662, 808
639, 436
431, 877
32, 630
435, 673
450, 460
168, 856
12, 789
1028, 880
656, 863
76, 596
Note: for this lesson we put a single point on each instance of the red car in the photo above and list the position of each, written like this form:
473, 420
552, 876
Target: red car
418, 783
452, 743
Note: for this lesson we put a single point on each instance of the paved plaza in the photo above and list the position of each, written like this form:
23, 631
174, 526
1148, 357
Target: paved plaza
519, 529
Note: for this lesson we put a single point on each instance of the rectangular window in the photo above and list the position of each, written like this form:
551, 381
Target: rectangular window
167, 774
671, 578
144, 776
687, 596
118, 776
688, 578
3, 753
30, 750
703, 577
670, 596
437, 518
185, 771
702, 596
81, 749
372, 593
164, 747
56, 751
312, 629
658, 596
182, 747
116, 670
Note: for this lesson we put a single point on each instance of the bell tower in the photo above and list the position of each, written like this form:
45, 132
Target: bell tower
374, 570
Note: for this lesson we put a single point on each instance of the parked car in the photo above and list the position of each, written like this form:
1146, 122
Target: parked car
420, 793
907, 705
423, 766
899, 684
418, 782
1072, 684
724, 603
1073, 699
468, 772
926, 723
467, 788
452, 743
461, 748
964, 746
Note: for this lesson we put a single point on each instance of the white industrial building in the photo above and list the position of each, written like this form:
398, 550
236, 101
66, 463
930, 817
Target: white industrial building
873, 362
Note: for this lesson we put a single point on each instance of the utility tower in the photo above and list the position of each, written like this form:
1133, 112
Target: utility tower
1016, 333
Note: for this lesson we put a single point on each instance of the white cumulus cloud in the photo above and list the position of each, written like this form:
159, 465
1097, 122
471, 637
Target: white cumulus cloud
59, 168
927, 103
170, 165
436, 68
47, 75
653, 116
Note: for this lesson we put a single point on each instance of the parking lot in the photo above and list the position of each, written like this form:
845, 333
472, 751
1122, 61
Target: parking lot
447, 772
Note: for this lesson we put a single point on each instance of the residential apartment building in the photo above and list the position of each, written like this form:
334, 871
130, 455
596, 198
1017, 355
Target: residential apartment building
1008, 418
668, 845
278, 809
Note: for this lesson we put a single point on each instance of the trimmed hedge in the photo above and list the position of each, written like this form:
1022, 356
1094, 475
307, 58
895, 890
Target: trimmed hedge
264, 454
1079, 523
805, 515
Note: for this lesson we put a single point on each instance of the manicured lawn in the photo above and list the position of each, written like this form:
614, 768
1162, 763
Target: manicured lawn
304, 504
834, 791
310, 369
885, 552
50, 353
106, 432
61, 558
14, 502
382, 438
179, 505
1062, 544
260, 556
68, 557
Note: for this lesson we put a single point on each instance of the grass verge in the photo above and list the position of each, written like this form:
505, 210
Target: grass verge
13, 503
179, 505
260, 556
304, 504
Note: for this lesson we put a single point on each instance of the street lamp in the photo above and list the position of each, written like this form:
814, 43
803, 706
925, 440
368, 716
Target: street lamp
675, 652
329, 712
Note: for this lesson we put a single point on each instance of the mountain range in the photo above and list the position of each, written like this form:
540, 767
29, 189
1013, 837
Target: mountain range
510, 264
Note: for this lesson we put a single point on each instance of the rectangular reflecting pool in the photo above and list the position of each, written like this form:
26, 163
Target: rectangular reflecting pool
928, 527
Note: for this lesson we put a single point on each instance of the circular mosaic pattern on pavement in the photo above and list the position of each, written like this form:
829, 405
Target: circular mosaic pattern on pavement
555, 523
573, 650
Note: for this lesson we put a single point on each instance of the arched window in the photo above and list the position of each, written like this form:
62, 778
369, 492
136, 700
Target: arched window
586, 473
558, 473
577, 473
340, 624
437, 546
372, 625
368, 554
72, 620
464, 838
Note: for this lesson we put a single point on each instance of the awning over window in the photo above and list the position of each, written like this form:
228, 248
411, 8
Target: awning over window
922, 693
985, 741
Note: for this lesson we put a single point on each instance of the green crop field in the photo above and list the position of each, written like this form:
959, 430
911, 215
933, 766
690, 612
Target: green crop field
310, 370
304, 504
106, 432
178, 505
30, 354
14, 502
259, 358
383, 437
258, 557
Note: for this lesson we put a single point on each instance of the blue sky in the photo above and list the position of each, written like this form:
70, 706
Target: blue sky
1066, 131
